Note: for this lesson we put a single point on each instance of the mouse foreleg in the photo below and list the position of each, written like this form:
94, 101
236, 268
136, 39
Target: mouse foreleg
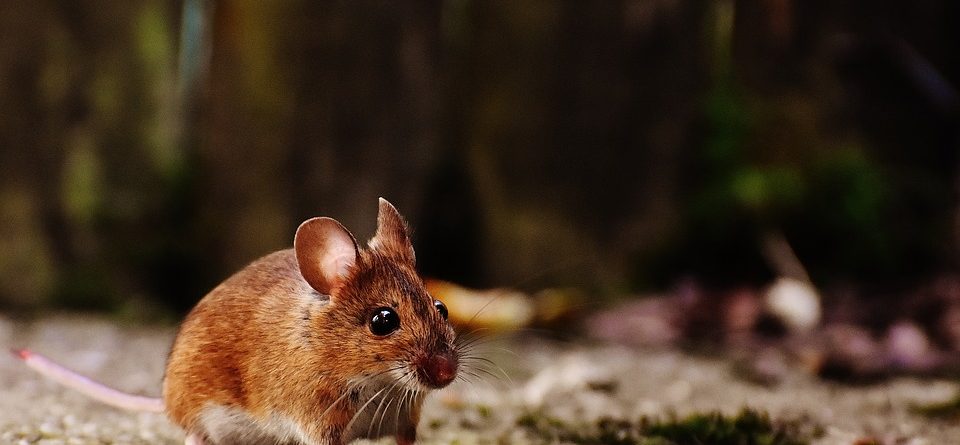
193, 439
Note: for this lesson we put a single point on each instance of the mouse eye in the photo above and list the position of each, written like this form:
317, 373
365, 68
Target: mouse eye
384, 321
441, 308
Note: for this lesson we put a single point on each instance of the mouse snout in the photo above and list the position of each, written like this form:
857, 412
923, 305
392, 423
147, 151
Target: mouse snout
438, 370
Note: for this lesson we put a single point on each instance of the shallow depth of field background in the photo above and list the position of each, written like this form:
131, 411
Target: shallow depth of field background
150, 148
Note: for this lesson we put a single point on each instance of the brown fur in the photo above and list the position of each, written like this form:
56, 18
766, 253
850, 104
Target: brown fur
267, 343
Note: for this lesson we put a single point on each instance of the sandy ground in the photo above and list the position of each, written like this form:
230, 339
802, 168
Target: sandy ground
572, 382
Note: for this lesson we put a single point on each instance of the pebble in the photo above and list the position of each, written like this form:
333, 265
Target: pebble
795, 303
49, 429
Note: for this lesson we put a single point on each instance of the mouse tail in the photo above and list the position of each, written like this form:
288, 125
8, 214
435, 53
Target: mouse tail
88, 387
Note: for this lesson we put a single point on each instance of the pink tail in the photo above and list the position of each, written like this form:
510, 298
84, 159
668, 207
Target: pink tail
86, 386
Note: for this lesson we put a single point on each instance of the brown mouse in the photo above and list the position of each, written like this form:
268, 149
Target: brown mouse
318, 344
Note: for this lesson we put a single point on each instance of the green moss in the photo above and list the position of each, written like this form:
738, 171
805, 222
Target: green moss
945, 410
484, 411
749, 427
528, 420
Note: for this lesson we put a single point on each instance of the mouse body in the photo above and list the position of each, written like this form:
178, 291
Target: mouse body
316, 345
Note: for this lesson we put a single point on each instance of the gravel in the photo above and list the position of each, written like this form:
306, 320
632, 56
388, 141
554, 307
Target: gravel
571, 382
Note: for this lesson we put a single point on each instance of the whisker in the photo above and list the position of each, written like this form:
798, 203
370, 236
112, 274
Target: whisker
473, 331
474, 335
408, 400
335, 402
480, 359
383, 415
380, 373
494, 375
473, 374
482, 364
350, 388
373, 419
360, 410
474, 380
474, 347
484, 343
396, 417
466, 341
410, 393
508, 351
483, 377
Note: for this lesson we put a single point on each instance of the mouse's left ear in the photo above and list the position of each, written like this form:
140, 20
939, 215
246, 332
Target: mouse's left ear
392, 238
326, 251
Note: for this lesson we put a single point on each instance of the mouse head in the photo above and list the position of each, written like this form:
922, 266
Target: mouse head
380, 316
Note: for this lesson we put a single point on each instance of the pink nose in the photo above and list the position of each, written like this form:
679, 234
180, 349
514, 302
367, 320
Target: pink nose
438, 370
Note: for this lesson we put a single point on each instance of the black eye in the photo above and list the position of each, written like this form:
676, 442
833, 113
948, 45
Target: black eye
440, 308
384, 321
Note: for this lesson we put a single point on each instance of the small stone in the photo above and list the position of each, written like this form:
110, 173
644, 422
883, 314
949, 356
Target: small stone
647, 322
49, 429
795, 303
851, 351
69, 420
908, 346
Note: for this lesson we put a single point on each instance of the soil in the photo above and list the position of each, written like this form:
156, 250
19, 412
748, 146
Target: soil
571, 383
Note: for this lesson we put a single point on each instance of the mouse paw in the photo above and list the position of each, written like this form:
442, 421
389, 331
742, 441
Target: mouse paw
193, 439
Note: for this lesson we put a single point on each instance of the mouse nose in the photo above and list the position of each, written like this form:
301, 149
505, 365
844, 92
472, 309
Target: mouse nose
438, 370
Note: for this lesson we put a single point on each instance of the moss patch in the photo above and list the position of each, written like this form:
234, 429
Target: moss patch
949, 410
749, 427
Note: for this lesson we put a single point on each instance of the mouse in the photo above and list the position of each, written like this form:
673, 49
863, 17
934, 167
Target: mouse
318, 344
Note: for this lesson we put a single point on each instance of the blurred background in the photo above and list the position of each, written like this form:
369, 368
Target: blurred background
149, 148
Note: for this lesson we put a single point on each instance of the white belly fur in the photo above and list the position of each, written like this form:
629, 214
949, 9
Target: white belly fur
224, 425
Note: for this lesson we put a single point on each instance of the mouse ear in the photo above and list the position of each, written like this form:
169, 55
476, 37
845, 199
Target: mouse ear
325, 253
392, 238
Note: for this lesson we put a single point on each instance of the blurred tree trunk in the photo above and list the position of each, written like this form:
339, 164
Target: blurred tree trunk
318, 121
83, 137
366, 108
246, 133
27, 268
601, 135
